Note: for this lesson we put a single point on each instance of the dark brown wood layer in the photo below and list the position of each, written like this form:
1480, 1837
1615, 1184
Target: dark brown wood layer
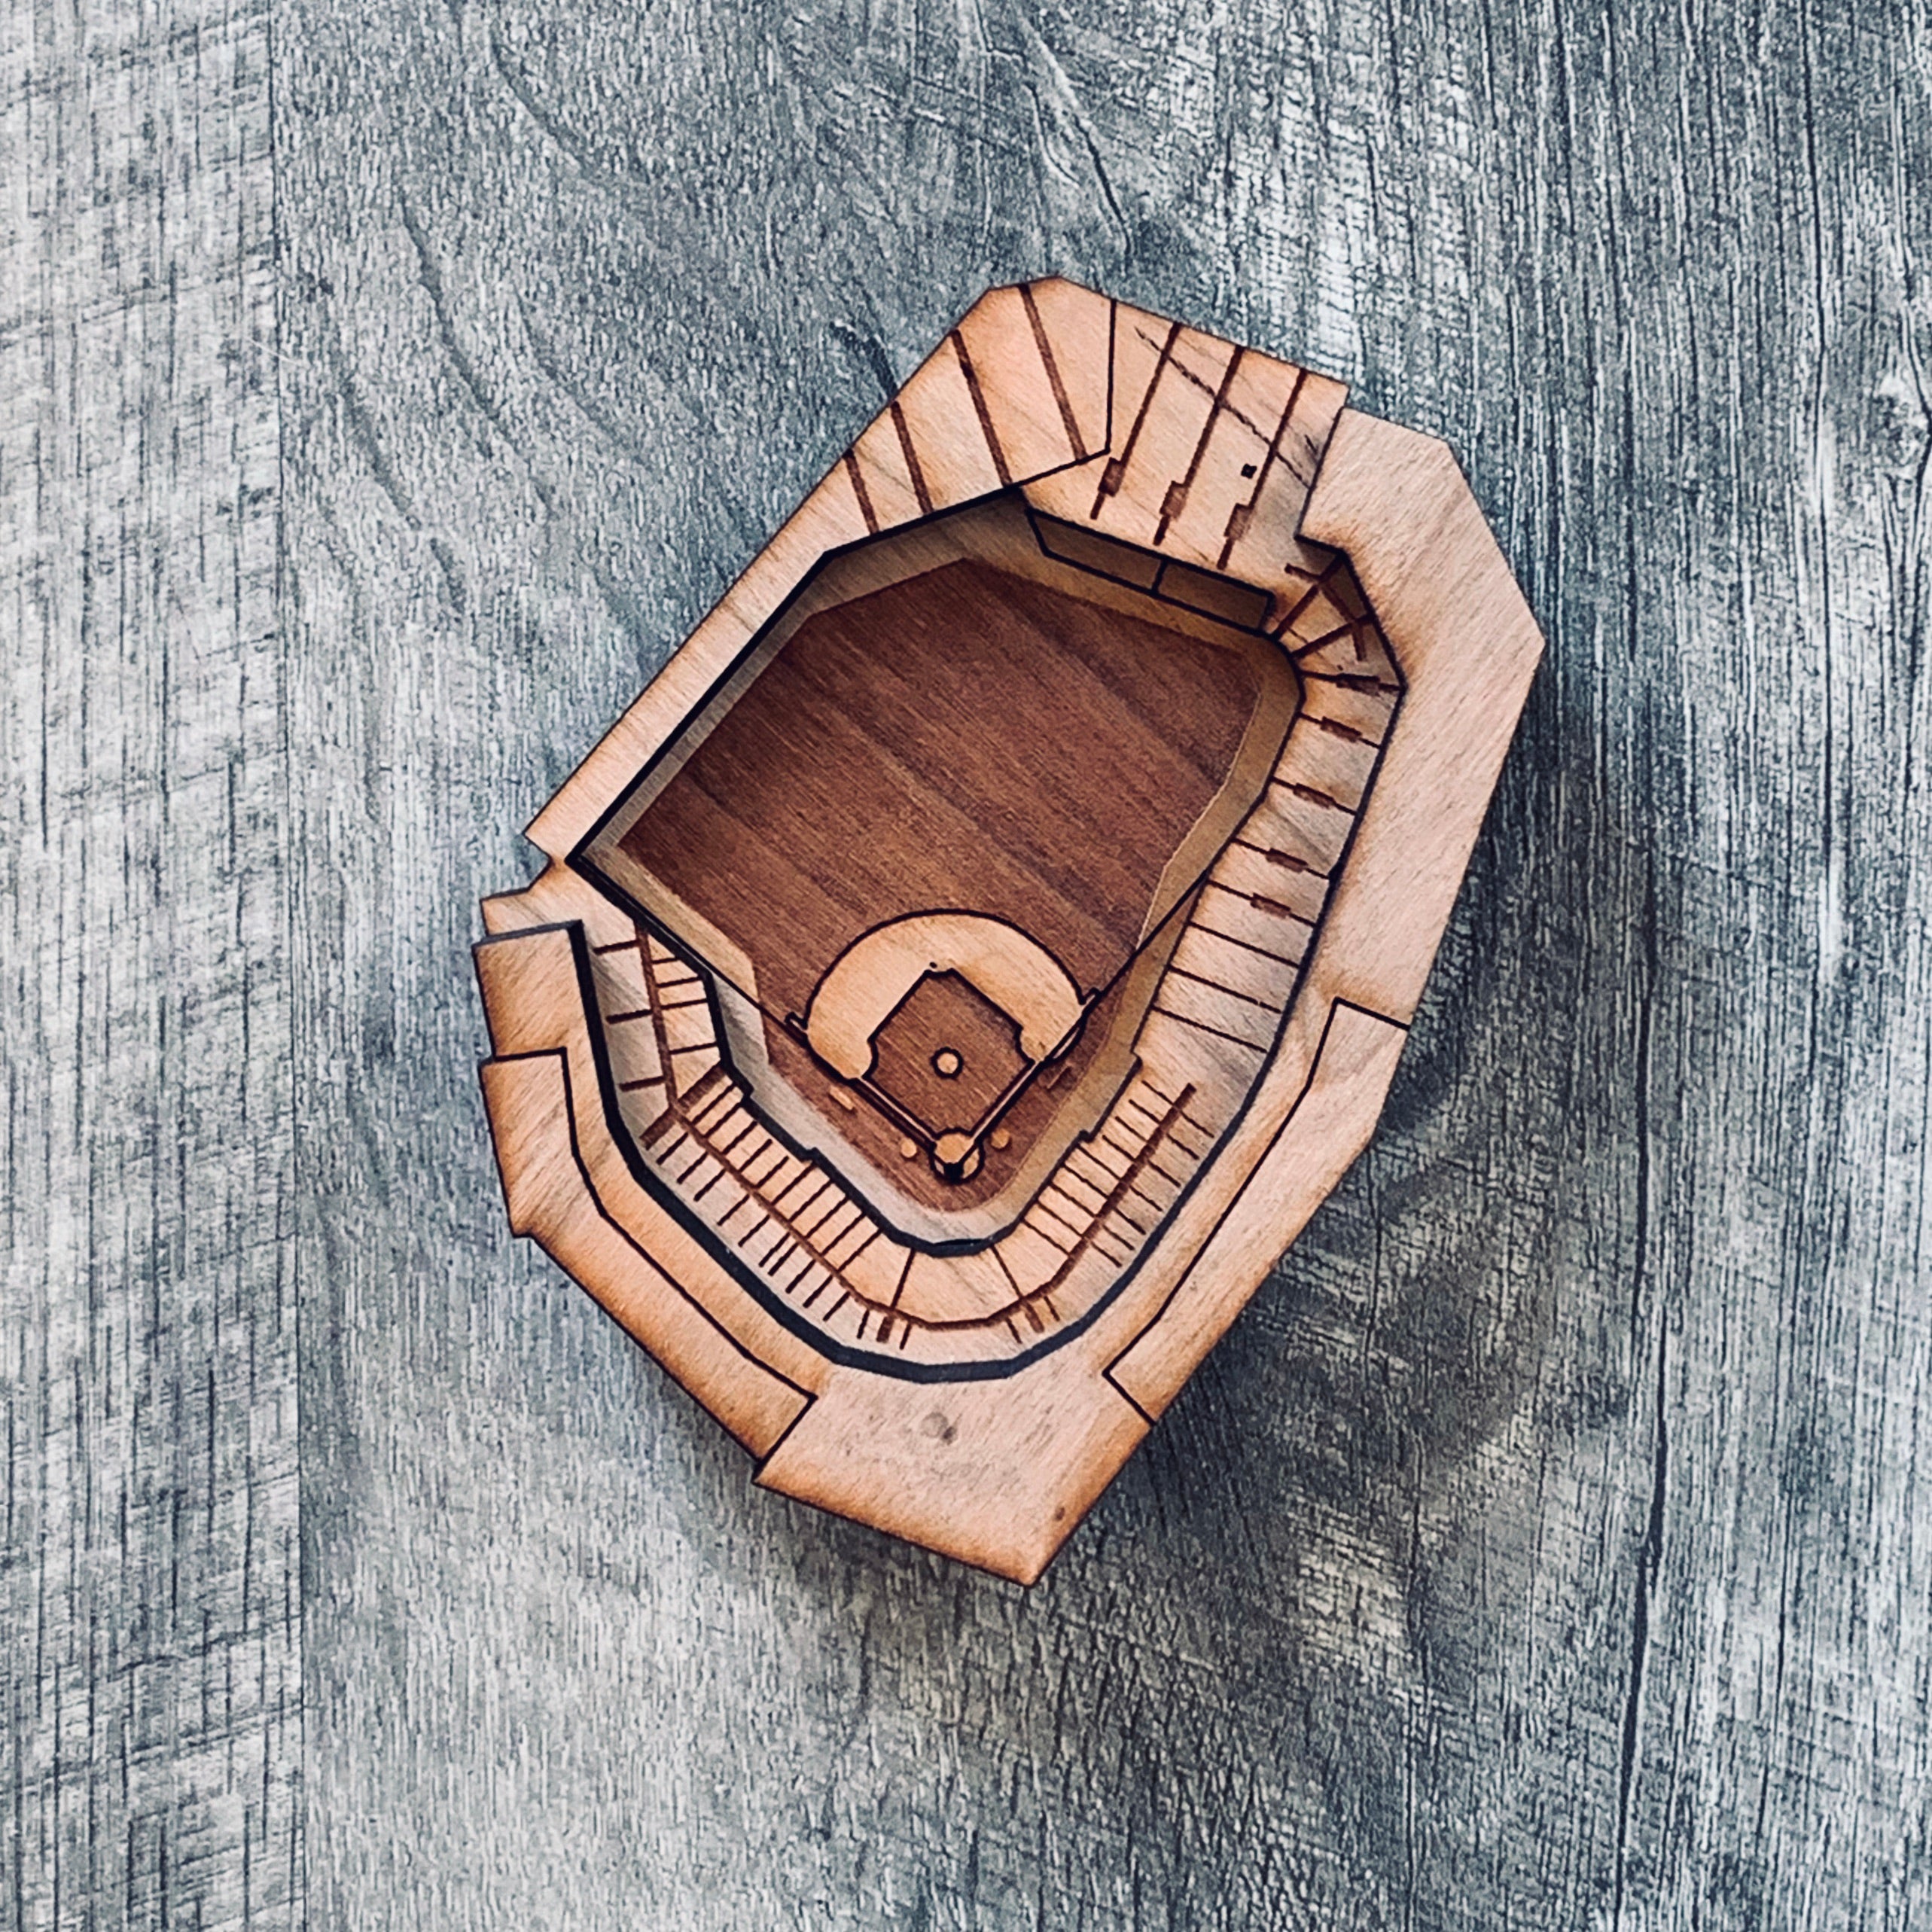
966, 740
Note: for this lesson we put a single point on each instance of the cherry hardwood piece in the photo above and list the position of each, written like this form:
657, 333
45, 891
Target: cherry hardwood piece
976, 955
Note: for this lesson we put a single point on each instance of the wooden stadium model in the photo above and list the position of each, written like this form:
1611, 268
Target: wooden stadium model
969, 962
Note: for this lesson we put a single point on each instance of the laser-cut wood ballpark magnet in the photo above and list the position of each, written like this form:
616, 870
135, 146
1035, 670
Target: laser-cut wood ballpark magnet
969, 962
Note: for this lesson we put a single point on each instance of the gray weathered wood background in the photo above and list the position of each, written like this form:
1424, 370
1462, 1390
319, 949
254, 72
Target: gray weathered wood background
384, 387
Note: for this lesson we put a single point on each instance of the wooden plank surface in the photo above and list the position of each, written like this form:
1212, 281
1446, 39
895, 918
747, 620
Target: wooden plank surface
150, 1597
1548, 1543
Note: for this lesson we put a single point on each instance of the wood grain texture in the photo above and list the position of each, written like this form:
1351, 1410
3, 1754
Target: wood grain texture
150, 1597
1547, 1545
949, 716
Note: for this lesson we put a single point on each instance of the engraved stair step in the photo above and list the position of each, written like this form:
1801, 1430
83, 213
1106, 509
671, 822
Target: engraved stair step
1264, 925
1221, 1070
1029, 1258
1237, 448
1253, 875
1336, 766
1239, 968
1168, 407
1366, 713
1207, 1007
687, 1026
1283, 821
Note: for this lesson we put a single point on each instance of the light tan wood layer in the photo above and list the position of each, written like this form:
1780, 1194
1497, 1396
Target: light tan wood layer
1222, 482
1330, 1124
531, 995
998, 1474
550, 1199
1397, 503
